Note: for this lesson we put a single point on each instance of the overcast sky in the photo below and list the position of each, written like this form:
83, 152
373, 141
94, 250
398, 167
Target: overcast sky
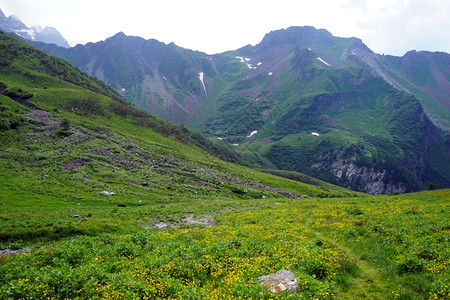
212, 26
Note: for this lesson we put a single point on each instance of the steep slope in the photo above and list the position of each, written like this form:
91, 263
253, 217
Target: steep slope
50, 35
322, 105
166, 80
275, 94
426, 75
68, 137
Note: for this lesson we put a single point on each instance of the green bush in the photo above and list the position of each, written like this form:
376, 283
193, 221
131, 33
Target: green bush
17, 94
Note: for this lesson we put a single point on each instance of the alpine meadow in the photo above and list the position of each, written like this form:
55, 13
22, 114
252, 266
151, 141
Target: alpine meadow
306, 154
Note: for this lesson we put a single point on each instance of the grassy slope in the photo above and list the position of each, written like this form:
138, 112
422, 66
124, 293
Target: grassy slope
117, 252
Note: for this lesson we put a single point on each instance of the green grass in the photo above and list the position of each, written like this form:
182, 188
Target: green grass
375, 247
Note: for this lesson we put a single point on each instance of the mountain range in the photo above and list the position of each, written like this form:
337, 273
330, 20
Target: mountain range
67, 134
100, 199
14, 25
300, 100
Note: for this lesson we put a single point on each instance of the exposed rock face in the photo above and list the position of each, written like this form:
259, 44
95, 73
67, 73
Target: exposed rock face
358, 50
280, 281
374, 180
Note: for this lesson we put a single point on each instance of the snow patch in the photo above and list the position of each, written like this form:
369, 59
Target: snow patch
123, 89
324, 62
252, 133
220, 138
270, 73
30, 32
258, 64
245, 61
315, 133
235, 144
200, 76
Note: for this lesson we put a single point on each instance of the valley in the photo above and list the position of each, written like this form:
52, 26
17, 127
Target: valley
379, 116
102, 200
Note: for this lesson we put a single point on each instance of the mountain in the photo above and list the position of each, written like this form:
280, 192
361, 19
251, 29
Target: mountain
300, 100
79, 134
101, 200
159, 78
49, 35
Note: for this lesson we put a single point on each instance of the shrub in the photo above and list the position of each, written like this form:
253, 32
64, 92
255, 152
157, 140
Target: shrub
9, 120
317, 268
17, 94
65, 124
410, 265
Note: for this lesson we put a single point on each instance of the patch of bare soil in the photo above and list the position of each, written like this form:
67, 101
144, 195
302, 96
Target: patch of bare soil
8, 252
73, 164
43, 116
279, 191
115, 158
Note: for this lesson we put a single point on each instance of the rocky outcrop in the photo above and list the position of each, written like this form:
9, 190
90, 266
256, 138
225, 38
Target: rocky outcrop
351, 173
358, 50
368, 179
280, 281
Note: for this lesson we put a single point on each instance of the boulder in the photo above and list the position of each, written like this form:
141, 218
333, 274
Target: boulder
282, 280
105, 193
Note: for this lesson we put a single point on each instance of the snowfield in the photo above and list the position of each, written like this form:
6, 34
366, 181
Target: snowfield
245, 61
252, 133
324, 62
200, 76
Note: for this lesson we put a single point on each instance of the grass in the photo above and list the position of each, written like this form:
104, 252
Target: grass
374, 247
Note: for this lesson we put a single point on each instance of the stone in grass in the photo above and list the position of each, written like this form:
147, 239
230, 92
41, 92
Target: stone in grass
105, 193
282, 280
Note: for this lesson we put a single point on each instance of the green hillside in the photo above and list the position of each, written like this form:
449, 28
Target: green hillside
382, 121
335, 121
99, 200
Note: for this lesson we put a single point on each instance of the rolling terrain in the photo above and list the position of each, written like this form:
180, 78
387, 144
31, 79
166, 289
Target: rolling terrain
102, 200
300, 100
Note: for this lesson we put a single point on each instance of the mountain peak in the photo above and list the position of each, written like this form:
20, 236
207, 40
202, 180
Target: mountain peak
296, 35
49, 35
120, 34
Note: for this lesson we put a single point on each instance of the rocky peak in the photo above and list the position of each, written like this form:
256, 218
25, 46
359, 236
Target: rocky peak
296, 35
49, 35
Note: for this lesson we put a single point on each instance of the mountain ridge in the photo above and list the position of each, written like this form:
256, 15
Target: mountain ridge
256, 88
50, 35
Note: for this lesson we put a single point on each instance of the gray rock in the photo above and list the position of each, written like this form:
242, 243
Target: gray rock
105, 193
282, 280
161, 225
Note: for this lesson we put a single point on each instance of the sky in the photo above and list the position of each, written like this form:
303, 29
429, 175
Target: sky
213, 26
